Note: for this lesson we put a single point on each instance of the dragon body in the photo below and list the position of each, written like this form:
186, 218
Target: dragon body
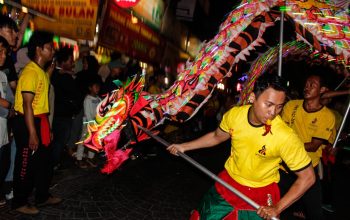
322, 26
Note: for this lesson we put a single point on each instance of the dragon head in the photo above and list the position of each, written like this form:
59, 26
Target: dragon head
111, 114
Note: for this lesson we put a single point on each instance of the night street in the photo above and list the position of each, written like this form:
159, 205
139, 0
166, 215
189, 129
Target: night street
243, 87
161, 187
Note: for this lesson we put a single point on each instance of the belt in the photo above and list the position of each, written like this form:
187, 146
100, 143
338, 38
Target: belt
44, 127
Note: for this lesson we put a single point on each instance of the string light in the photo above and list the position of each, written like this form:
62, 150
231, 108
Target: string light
221, 86
97, 28
24, 9
134, 19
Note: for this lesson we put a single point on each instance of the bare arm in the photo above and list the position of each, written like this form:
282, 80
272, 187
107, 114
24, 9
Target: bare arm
313, 145
208, 140
22, 29
4, 103
305, 179
331, 94
29, 120
13, 85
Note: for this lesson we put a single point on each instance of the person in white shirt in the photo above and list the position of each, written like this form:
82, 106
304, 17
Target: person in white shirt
90, 104
5, 106
6, 100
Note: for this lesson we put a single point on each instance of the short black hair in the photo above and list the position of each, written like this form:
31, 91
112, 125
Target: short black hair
269, 80
4, 43
8, 22
63, 54
38, 39
94, 79
93, 65
323, 72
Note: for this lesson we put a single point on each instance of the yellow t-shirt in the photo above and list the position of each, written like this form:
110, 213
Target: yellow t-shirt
319, 124
255, 159
33, 80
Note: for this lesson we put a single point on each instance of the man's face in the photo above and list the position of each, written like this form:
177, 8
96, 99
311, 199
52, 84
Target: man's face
3, 53
312, 88
95, 89
69, 64
10, 35
47, 52
268, 105
116, 72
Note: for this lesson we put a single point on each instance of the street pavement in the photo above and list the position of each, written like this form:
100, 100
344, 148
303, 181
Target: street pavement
164, 187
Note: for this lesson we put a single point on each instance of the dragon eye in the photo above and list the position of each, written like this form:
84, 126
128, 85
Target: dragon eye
106, 109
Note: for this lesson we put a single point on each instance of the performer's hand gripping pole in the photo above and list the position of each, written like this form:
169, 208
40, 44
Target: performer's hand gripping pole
205, 170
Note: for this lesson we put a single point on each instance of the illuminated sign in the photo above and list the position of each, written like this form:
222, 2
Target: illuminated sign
119, 33
126, 3
75, 19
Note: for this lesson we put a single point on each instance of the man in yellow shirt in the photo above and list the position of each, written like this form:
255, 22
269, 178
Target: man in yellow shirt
260, 140
31, 129
314, 124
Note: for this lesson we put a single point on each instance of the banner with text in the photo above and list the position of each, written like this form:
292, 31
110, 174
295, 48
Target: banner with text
135, 39
75, 19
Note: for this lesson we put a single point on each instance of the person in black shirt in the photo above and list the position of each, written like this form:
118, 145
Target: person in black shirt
68, 101
9, 31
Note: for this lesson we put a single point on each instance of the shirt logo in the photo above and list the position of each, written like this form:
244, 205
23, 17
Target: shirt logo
294, 112
314, 121
262, 151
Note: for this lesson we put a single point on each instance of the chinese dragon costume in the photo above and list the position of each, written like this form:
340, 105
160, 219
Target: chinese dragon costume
320, 27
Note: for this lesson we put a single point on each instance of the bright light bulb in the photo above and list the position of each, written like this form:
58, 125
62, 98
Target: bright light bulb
24, 9
134, 20
221, 86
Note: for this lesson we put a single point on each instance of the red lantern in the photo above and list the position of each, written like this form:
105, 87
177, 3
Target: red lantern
126, 3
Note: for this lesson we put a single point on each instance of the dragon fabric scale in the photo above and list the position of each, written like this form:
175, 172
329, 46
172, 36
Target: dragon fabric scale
323, 26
